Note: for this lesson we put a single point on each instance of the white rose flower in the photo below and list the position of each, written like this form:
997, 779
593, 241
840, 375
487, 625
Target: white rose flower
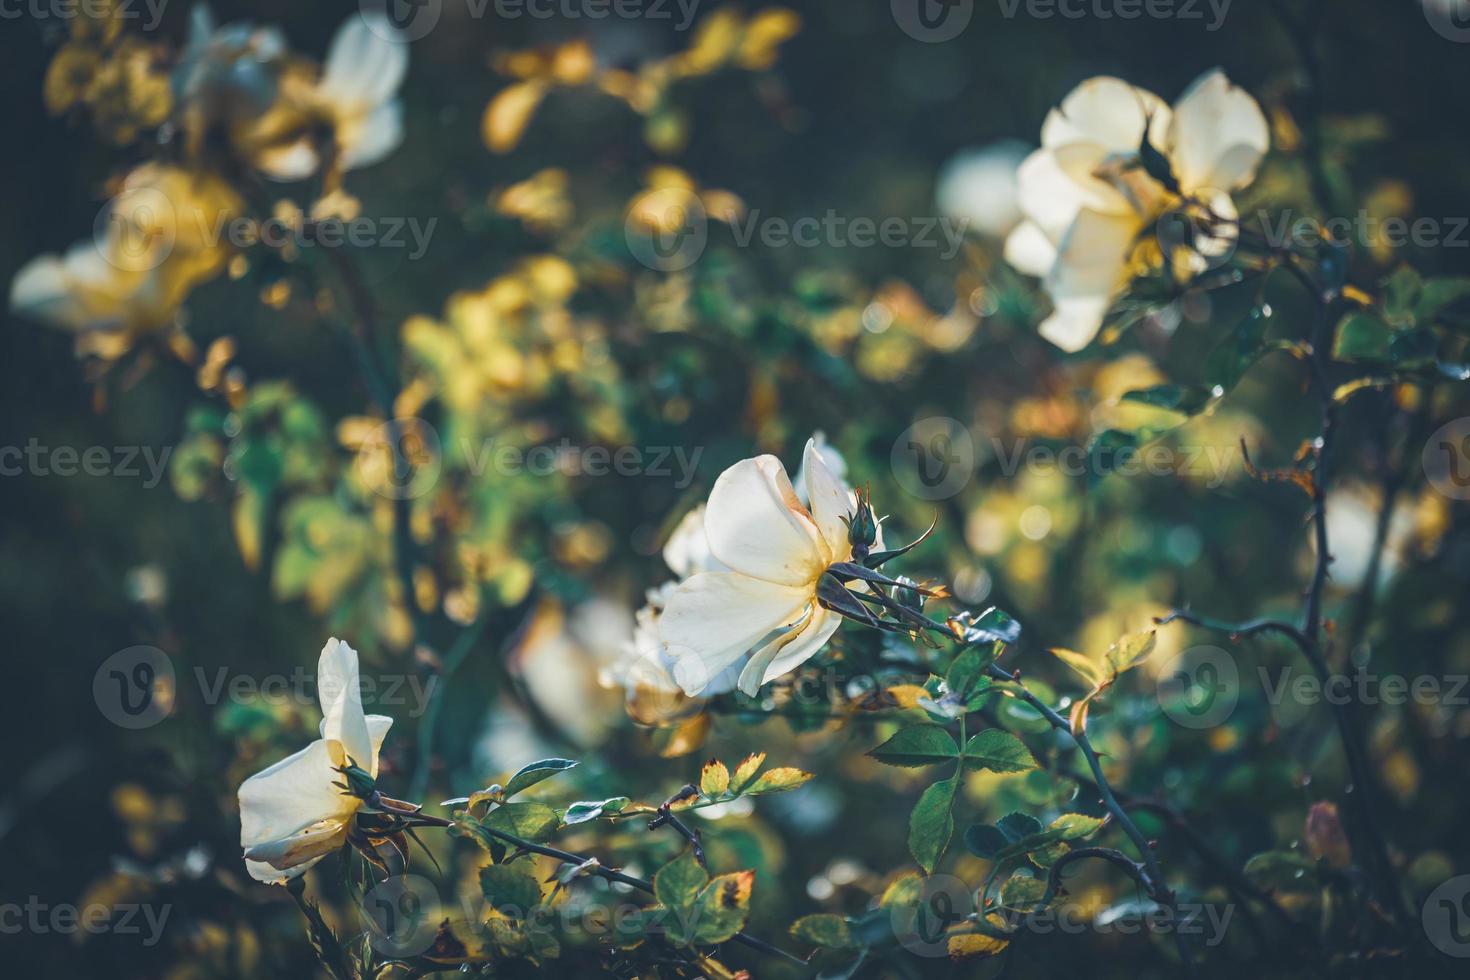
1087, 196
291, 814
776, 551
358, 92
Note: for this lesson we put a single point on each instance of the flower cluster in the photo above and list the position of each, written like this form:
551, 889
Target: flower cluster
1114, 158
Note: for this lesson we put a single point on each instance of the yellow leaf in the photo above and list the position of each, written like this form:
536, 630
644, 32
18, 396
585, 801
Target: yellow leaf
508, 113
746, 770
777, 780
1089, 668
975, 944
907, 695
1130, 651
688, 736
714, 779
765, 33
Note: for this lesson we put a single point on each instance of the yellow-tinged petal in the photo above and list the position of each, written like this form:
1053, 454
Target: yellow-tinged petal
1218, 136
294, 794
714, 618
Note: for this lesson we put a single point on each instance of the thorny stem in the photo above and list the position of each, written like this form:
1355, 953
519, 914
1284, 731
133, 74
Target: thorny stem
602, 871
1153, 879
1309, 638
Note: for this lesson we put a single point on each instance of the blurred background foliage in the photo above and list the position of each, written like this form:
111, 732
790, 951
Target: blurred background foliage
527, 322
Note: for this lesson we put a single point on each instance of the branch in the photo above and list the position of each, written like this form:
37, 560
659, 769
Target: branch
603, 871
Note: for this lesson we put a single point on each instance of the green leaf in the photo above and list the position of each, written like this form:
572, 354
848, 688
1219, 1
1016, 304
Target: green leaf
931, 824
535, 773
677, 884
999, 751
1282, 871
1018, 826
1242, 347
826, 930
968, 669
724, 905
917, 745
1439, 295
1022, 892
986, 841
1414, 348
1401, 296
509, 889
1186, 399
585, 810
1362, 336
535, 822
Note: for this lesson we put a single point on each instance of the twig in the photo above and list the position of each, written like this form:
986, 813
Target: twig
609, 873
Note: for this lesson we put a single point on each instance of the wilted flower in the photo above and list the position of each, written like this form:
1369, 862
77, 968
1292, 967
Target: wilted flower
776, 551
297, 812
1097, 183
